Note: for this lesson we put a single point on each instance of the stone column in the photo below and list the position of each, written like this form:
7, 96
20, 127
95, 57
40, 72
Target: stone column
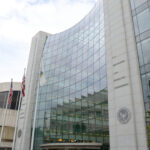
125, 100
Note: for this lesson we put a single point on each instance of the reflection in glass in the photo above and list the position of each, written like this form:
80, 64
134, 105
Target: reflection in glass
142, 26
144, 20
73, 103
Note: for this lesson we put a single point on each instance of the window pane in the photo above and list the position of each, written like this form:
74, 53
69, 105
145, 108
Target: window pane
139, 2
140, 54
144, 20
146, 50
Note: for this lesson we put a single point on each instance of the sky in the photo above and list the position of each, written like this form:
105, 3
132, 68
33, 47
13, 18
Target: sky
20, 20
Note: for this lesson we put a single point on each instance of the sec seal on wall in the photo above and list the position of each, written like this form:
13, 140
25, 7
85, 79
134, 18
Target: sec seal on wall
124, 115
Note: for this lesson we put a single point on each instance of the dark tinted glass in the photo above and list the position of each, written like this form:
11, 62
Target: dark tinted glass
14, 102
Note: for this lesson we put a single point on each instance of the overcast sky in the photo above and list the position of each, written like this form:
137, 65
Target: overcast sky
20, 20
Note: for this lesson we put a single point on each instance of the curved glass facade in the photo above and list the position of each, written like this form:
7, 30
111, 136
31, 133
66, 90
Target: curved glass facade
141, 19
73, 102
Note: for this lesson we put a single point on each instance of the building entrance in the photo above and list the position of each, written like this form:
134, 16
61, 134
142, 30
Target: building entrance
71, 146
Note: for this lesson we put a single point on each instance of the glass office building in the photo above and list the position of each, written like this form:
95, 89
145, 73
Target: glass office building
91, 82
73, 103
141, 18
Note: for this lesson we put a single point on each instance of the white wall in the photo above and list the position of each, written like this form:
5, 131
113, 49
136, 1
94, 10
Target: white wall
124, 85
25, 116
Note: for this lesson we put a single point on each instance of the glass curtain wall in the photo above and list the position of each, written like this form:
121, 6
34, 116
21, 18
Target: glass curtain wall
141, 19
73, 102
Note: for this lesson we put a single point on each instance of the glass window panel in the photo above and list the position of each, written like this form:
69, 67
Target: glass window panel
3, 99
147, 67
140, 54
146, 50
145, 87
139, 2
136, 28
144, 20
132, 4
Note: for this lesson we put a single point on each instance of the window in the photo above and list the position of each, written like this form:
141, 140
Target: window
139, 2
144, 20
146, 50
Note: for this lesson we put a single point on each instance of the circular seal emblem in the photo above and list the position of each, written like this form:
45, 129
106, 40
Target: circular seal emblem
124, 115
19, 133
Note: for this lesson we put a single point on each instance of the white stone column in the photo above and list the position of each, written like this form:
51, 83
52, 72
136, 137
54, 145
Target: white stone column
126, 105
25, 116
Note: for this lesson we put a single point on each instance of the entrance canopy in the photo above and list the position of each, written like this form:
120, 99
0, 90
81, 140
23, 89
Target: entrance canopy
71, 146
